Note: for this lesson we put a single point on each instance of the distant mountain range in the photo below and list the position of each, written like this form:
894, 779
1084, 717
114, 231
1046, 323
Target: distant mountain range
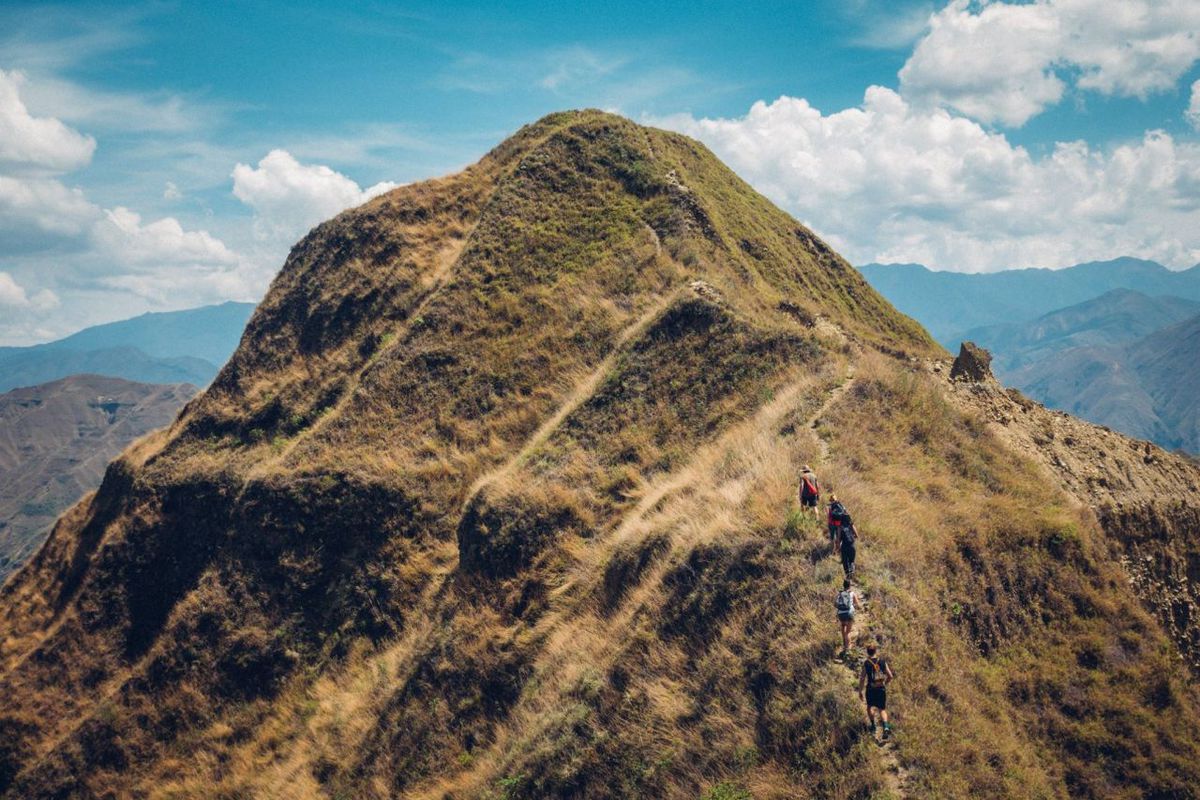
55, 442
1116, 317
949, 304
1122, 354
164, 347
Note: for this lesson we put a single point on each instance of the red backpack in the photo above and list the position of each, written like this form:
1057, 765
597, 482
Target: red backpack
810, 487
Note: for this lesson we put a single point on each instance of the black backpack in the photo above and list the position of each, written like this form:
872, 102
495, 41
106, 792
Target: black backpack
849, 535
840, 514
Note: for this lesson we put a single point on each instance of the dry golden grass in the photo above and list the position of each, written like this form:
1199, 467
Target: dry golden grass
493, 502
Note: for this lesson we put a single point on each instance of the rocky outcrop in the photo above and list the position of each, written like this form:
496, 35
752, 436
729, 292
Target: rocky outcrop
973, 364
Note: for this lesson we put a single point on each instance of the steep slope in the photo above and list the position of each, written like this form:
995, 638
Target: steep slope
167, 347
55, 441
493, 501
1118, 317
949, 304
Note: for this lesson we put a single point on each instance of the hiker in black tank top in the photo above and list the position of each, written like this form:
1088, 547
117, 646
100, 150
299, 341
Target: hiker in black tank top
872, 688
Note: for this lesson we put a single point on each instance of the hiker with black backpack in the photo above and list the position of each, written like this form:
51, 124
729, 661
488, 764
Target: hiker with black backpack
838, 515
847, 604
847, 536
810, 490
872, 688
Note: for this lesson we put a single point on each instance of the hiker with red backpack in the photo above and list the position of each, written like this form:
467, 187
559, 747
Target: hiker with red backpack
810, 490
872, 688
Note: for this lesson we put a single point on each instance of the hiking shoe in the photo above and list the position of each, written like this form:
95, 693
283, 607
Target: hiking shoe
887, 731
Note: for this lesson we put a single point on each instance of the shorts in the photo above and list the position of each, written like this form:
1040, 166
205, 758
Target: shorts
808, 502
877, 697
846, 616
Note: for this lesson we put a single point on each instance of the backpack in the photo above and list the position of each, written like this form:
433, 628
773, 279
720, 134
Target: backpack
849, 535
845, 602
838, 514
809, 488
876, 669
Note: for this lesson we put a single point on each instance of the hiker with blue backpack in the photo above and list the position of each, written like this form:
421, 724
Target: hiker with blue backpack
847, 604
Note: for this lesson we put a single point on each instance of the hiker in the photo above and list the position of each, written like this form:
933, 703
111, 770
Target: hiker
847, 536
838, 516
810, 490
872, 687
847, 603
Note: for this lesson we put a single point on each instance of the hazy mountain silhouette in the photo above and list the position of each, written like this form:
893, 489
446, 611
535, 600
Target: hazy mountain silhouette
162, 347
949, 304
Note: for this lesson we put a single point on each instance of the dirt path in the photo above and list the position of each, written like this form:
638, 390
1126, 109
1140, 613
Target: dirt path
582, 390
895, 775
814, 422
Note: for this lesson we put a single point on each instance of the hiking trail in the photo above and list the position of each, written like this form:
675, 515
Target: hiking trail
814, 422
896, 777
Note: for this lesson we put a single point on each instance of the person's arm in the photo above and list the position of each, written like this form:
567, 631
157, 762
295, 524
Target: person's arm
887, 671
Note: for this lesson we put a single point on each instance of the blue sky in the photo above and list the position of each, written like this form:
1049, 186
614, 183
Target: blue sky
166, 155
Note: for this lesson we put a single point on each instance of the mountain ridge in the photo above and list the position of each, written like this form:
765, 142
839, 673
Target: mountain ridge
951, 303
186, 346
495, 500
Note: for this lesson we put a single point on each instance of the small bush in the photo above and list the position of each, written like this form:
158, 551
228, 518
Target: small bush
727, 791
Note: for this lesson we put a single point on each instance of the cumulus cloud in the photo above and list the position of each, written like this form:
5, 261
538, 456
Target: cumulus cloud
36, 145
289, 198
13, 296
52, 234
161, 242
1006, 62
888, 181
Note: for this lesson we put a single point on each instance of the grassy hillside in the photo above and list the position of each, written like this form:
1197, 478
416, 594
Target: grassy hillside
495, 500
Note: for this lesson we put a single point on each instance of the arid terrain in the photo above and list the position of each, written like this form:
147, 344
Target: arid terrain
496, 499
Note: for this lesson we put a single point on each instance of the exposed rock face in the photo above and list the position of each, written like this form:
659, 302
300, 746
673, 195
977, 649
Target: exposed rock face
973, 364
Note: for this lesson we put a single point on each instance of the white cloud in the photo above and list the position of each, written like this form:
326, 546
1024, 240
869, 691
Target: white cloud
122, 234
289, 198
11, 292
1192, 114
14, 296
890, 182
1006, 62
36, 145
171, 191
44, 300
39, 212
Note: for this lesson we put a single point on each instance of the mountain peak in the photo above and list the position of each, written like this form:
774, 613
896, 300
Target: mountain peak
498, 496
